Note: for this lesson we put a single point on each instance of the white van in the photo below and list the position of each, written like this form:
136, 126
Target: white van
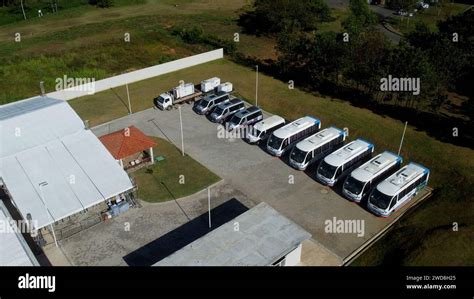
261, 130
359, 183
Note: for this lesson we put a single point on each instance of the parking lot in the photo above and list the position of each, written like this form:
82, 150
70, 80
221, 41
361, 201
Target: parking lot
262, 177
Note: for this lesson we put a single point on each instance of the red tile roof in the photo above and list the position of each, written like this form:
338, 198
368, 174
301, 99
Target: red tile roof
127, 142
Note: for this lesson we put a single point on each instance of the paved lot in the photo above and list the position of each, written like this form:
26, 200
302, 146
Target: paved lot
259, 176
155, 230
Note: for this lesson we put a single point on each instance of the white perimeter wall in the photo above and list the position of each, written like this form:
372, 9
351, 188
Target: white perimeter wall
141, 74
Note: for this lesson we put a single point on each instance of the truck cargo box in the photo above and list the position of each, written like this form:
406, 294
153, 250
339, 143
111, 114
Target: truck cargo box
209, 84
225, 87
183, 90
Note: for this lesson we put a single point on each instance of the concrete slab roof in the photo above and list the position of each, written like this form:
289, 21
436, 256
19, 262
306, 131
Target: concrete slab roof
263, 237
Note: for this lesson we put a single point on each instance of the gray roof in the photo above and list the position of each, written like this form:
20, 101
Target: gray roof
14, 251
264, 236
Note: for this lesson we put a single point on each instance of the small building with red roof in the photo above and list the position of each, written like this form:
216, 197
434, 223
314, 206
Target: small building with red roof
130, 146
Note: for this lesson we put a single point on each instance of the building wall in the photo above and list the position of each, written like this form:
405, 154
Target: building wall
294, 257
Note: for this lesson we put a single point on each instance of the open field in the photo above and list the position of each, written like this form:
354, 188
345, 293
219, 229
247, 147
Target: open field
163, 183
453, 199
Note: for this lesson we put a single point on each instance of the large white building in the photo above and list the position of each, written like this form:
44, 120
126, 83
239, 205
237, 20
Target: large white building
51, 165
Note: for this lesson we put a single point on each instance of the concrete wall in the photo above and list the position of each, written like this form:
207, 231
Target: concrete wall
134, 76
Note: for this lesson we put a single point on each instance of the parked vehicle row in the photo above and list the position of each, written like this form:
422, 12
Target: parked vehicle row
189, 93
378, 179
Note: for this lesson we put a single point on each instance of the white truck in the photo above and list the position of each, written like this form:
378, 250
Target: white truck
184, 93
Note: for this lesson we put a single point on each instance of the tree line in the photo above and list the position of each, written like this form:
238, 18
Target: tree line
360, 56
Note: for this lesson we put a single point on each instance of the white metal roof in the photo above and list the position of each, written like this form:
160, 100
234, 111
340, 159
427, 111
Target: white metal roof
296, 126
397, 181
56, 151
14, 251
322, 137
348, 152
270, 122
375, 166
264, 236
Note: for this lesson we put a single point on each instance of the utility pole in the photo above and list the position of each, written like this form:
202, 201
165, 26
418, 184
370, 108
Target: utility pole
181, 125
23, 9
256, 88
209, 205
128, 96
403, 136
41, 185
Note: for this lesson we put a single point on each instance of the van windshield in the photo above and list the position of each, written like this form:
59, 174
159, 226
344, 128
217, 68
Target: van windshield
235, 120
298, 155
380, 200
274, 142
354, 186
327, 170
218, 111
254, 132
204, 103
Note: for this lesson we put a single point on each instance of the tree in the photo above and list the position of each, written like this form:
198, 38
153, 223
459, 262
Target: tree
274, 16
360, 17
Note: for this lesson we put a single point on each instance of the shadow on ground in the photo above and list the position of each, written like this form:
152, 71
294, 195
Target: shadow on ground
185, 234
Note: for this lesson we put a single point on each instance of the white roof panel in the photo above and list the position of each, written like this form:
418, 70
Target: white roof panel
322, 137
35, 122
270, 122
296, 126
398, 180
375, 166
14, 250
55, 149
347, 152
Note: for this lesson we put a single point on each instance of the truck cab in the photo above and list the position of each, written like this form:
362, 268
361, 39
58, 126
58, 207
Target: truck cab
163, 101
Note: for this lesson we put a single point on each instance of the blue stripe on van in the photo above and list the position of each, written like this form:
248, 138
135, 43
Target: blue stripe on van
341, 132
425, 170
399, 158
316, 121
371, 145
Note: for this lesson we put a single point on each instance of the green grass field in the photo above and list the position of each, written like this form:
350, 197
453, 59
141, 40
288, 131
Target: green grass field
451, 166
162, 181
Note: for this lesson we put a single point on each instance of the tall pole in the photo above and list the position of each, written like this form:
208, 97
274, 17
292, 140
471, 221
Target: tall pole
403, 136
41, 185
23, 9
209, 204
129, 105
256, 88
181, 125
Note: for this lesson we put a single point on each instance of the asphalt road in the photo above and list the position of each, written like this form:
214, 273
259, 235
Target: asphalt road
381, 11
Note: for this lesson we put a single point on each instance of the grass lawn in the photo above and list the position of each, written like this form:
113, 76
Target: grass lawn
451, 166
430, 17
162, 181
339, 15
